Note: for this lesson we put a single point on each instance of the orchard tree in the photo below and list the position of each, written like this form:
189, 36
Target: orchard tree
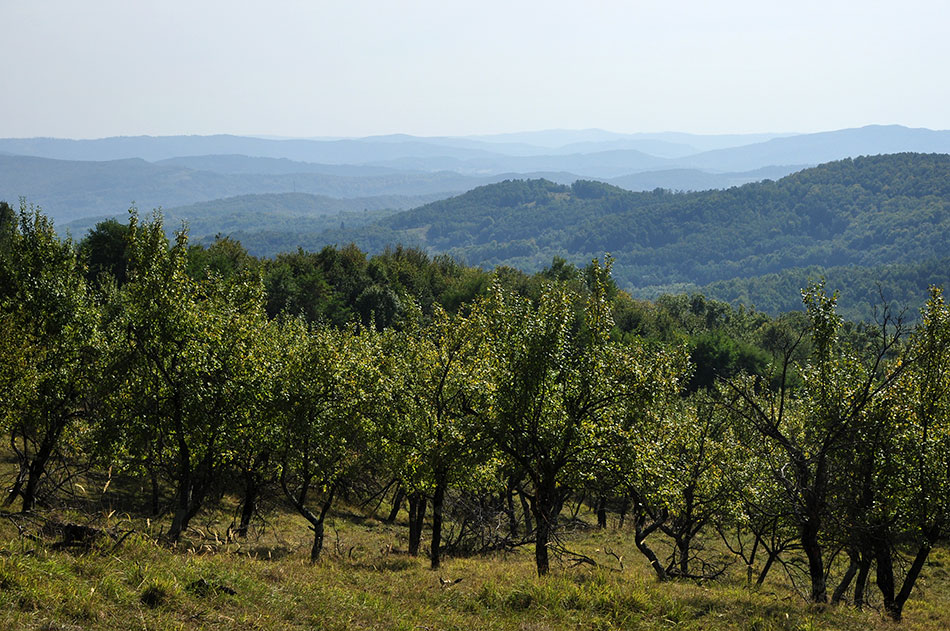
53, 350
324, 398
195, 368
803, 430
442, 393
698, 447
568, 399
907, 488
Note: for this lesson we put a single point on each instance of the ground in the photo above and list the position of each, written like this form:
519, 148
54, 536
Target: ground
366, 581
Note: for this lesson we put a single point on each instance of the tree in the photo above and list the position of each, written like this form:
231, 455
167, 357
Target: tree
105, 250
906, 488
194, 369
442, 396
324, 398
568, 399
53, 350
698, 447
803, 430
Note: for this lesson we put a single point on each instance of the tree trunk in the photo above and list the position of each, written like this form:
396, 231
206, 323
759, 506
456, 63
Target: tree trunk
769, 561
682, 545
510, 511
182, 503
438, 499
641, 531
640, 539
15, 490
861, 583
32, 484
624, 507
417, 512
885, 576
38, 465
894, 605
750, 562
398, 497
602, 513
251, 492
545, 507
541, 535
317, 547
525, 511
317, 525
816, 566
849, 575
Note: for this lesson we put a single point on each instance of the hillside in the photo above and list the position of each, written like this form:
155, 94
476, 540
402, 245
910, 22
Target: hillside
860, 289
866, 211
72, 179
823, 147
70, 189
698, 180
270, 223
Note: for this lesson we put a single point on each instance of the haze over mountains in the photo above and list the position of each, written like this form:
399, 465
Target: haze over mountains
76, 179
520, 199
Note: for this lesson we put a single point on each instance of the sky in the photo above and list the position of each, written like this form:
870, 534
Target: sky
317, 68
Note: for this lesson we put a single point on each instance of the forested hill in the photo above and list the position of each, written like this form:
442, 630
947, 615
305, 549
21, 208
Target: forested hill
864, 211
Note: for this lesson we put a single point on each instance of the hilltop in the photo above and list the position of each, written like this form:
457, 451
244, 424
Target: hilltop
865, 212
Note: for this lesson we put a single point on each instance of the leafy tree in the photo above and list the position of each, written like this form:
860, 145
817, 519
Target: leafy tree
194, 371
224, 258
716, 355
803, 430
105, 250
442, 396
906, 448
698, 447
324, 399
54, 350
568, 400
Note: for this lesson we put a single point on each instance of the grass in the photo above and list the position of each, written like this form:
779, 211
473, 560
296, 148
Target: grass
365, 582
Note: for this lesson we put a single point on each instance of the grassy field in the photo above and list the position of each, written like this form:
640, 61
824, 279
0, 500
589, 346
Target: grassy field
366, 581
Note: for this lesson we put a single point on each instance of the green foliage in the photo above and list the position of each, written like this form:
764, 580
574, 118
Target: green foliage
210, 373
863, 212
571, 403
862, 288
53, 349
442, 394
104, 250
194, 371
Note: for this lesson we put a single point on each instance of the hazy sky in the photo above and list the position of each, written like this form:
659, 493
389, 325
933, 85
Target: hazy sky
442, 67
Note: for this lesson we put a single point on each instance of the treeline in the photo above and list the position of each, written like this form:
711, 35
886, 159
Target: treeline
904, 284
865, 211
492, 399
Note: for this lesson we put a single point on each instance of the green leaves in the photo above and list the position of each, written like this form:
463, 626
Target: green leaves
52, 348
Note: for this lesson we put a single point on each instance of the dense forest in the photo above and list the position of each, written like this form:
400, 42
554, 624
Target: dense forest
865, 212
862, 288
497, 399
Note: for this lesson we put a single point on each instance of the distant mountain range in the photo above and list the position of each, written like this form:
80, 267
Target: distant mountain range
867, 225
73, 179
371, 149
70, 189
736, 216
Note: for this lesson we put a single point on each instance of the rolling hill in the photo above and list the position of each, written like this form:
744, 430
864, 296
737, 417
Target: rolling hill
70, 189
865, 212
